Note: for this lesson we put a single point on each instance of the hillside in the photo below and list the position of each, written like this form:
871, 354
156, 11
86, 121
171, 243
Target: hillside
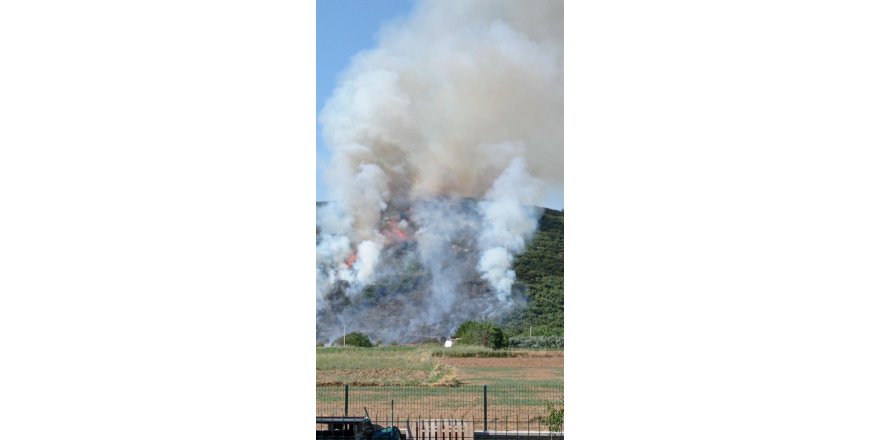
541, 270
540, 279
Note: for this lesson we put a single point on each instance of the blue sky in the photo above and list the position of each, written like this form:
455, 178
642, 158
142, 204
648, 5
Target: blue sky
344, 28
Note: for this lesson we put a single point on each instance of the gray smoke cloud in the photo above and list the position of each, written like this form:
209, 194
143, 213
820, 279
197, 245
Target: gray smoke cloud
442, 140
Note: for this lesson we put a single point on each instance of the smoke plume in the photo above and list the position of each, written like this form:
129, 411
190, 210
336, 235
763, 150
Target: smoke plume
443, 138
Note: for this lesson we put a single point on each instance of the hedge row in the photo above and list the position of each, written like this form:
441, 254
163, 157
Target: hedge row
537, 342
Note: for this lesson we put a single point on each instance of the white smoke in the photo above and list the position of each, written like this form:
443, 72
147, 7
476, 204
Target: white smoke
368, 255
461, 100
445, 227
507, 224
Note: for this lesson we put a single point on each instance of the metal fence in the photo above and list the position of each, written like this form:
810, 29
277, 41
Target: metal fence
482, 409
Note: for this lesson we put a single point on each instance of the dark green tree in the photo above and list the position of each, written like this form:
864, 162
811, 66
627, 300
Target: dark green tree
355, 339
482, 333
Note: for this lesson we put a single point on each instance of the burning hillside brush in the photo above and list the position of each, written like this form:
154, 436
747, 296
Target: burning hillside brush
442, 139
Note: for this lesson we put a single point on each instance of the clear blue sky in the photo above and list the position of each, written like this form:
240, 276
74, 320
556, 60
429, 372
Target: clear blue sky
344, 28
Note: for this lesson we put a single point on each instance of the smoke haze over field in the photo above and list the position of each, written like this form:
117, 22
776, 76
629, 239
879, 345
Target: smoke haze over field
442, 140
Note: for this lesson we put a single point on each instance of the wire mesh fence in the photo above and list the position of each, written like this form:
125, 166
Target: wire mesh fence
449, 412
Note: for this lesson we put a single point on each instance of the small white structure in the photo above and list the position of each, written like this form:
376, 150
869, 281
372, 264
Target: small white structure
448, 343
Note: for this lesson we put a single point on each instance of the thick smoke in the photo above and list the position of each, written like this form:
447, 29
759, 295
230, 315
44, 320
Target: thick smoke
443, 138
507, 224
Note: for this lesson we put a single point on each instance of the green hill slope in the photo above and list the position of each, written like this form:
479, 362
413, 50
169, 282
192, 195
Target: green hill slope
540, 270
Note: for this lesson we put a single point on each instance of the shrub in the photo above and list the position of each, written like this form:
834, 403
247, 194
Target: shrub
537, 342
553, 419
355, 339
482, 333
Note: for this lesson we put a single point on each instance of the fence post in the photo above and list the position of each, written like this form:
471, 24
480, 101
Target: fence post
485, 410
346, 400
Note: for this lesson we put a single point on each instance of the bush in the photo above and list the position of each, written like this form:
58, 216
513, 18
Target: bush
355, 339
537, 342
554, 418
481, 333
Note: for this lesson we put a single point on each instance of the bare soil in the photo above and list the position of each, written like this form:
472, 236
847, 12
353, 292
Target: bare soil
522, 370
518, 362
371, 376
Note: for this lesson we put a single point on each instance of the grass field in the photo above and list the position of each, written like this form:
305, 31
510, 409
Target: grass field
408, 365
432, 381
433, 365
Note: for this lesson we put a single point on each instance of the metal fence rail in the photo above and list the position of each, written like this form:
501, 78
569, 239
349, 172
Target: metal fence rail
494, 408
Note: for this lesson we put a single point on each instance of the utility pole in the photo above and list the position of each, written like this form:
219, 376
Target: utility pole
530, 331
343, 333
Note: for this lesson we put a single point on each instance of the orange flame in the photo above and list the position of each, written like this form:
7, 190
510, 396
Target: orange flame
395, 230
350, 261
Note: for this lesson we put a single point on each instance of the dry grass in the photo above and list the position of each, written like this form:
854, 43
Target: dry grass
432, 382
354, 358
381, 366
431, 365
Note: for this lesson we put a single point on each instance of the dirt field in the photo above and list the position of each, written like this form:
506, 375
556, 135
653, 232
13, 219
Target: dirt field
555, 361
371, 376
538, 370
425, 382
430, 366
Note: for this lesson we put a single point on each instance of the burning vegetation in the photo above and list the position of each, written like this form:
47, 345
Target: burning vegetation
443, 139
